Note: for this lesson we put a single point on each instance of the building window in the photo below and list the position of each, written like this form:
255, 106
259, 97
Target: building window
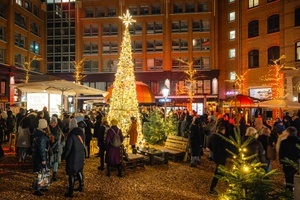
90, 48
202, 44
91, 66
268, 1
133, 10
202, 7
90, 30
231, 16
232, 35
273, 54
273, 23
19, 60
34, 47
110, 47
19, 2
36, 11
137, 46
297, 17
34, 28
110, 29
180, 26
180, 45
27, 5
2, 10
297, 51
2, 33
201, 26
231, 1
2, 56
154, 46
110, 65
253, 59
154, 64
155, 9
112, 12
20, 40
89, 13
253, 28
201, 63
189, 7
144, 10
231, 53
177, 8
138, 64
177, 65
100, 12
154, 27
135, 29
20, 20
253, 3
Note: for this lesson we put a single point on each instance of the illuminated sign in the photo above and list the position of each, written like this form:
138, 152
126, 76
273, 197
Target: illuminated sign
261, 93
164, 100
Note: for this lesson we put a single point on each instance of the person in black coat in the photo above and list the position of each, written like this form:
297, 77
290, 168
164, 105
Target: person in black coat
288, 149
218, 146
254, 146
265, 139
196, 139
101, 141
40, 146
74, 154
88, 134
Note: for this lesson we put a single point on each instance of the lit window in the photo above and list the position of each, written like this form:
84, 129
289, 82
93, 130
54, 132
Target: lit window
232, 16
19, 2
232, 35
231, 1
253, 3
297, 49
231, 53
232, 76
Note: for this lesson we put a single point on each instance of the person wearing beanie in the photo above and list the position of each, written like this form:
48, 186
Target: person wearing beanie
74, 154
56, 144
40, 155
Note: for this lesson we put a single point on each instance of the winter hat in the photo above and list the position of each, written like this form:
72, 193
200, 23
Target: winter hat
53, 119
42, 124
73, 124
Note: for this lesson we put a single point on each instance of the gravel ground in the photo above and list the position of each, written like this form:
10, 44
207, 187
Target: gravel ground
176, 180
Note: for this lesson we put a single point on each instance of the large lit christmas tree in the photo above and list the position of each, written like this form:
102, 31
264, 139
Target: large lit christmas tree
123, 101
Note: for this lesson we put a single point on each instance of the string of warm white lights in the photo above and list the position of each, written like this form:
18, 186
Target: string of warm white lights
123, 101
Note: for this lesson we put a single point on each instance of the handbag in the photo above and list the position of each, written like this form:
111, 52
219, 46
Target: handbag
271, 151
43, 179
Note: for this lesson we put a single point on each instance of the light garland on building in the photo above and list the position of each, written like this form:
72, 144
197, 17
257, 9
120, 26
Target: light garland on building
239, 82
123, 101
27, 67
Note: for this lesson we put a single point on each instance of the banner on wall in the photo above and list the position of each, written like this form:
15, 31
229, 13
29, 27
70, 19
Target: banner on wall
261, 93
37, 101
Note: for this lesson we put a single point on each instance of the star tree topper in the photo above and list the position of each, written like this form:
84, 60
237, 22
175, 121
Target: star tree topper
127, 19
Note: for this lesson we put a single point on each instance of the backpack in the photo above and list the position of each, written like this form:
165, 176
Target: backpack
116, 141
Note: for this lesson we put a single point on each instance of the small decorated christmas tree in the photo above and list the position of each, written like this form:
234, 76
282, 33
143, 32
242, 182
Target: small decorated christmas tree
247, 178
158, 128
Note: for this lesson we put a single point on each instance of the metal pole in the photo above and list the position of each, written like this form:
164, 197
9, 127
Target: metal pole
165, 104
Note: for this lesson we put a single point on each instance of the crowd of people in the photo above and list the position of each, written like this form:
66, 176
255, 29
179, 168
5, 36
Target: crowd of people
204, 134
48, 140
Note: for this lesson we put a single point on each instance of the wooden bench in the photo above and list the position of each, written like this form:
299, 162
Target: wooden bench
130, 160
177, 147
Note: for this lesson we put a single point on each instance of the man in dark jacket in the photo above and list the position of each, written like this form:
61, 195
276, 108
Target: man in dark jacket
288, 149
74, 155
218, 146
40, 146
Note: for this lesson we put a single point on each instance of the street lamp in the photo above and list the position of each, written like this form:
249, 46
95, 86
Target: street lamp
165, 92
